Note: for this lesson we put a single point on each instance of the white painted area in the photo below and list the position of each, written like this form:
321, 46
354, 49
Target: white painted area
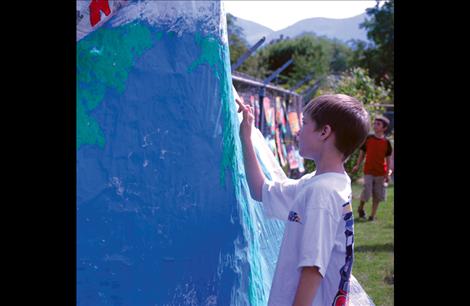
207, 17
180, 17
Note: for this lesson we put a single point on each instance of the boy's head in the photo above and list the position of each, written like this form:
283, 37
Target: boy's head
340, 115
380, 124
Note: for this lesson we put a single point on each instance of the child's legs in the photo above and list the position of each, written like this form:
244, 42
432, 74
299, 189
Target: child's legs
366, 191
378, 193
361, 206
375, 205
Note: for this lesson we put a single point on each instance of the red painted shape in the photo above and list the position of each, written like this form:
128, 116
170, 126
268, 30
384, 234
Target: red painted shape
96, 7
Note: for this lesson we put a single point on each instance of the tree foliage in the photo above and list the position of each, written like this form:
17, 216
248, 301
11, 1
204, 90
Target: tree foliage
378, 56
236, 39
311, 54
238, 46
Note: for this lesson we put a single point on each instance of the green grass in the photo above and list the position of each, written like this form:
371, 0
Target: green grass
373, 249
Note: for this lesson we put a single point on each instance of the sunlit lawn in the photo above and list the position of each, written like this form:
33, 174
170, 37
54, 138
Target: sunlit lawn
373, 247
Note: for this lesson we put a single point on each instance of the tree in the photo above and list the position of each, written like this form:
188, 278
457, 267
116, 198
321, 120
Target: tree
310, 53
341, 59
378, 57
238, 46
236, 39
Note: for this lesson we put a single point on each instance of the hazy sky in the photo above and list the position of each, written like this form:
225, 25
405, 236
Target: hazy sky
277, 15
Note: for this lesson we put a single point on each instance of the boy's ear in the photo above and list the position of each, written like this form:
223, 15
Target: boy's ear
326, 131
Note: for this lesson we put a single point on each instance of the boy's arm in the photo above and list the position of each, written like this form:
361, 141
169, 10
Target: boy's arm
388, 159
389, 168
389, 165
359, 161
310, 280
254, 175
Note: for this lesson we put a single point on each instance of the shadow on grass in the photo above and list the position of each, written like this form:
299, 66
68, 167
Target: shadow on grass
387, 247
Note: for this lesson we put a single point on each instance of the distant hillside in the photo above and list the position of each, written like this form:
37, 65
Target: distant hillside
252, 30
342, 29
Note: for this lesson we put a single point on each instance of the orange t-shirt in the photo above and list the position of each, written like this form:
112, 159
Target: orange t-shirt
376, 149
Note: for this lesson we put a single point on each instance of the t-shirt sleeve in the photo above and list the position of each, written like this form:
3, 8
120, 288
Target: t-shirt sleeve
278, 198
364, 146
389, 148
317, 237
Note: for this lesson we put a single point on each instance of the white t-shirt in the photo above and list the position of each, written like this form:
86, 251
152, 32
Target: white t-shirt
319, 232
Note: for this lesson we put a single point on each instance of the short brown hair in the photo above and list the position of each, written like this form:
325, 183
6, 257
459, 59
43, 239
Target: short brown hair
345, 115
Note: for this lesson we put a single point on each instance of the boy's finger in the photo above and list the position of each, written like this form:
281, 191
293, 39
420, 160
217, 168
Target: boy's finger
245, 114
239, 102
241, 106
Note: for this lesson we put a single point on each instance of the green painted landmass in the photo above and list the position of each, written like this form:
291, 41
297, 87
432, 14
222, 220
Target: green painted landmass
104, 59
211, 53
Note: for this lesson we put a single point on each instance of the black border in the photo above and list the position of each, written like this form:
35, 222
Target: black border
43, 40
43, 43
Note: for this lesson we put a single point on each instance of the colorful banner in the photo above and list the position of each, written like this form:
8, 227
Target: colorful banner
292, 157
267, 111
254, 102
278, 109
280, 118
300, 161
279, 149
293, 122
284, 151
269, 115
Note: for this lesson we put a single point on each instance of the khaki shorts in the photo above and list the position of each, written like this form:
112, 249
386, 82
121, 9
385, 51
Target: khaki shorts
374, 185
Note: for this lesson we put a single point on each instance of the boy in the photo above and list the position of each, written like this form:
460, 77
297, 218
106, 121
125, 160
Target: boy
316, 254
377, 149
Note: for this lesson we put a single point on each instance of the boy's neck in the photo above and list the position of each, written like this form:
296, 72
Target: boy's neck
379, 135
329, 163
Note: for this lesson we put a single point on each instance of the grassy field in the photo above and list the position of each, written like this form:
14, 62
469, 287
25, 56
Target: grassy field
373, 249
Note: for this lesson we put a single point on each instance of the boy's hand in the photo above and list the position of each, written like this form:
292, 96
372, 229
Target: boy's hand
354, 169
389, 174
248, 118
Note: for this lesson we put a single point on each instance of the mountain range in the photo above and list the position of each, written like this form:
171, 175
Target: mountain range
341, 29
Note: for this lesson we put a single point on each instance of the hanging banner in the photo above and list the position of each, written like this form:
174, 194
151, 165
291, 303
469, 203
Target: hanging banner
269, 115
267, 111
284, 151
278, 109
281, 120
279, 148
254, 102
293, 161
293, 122
300, 161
